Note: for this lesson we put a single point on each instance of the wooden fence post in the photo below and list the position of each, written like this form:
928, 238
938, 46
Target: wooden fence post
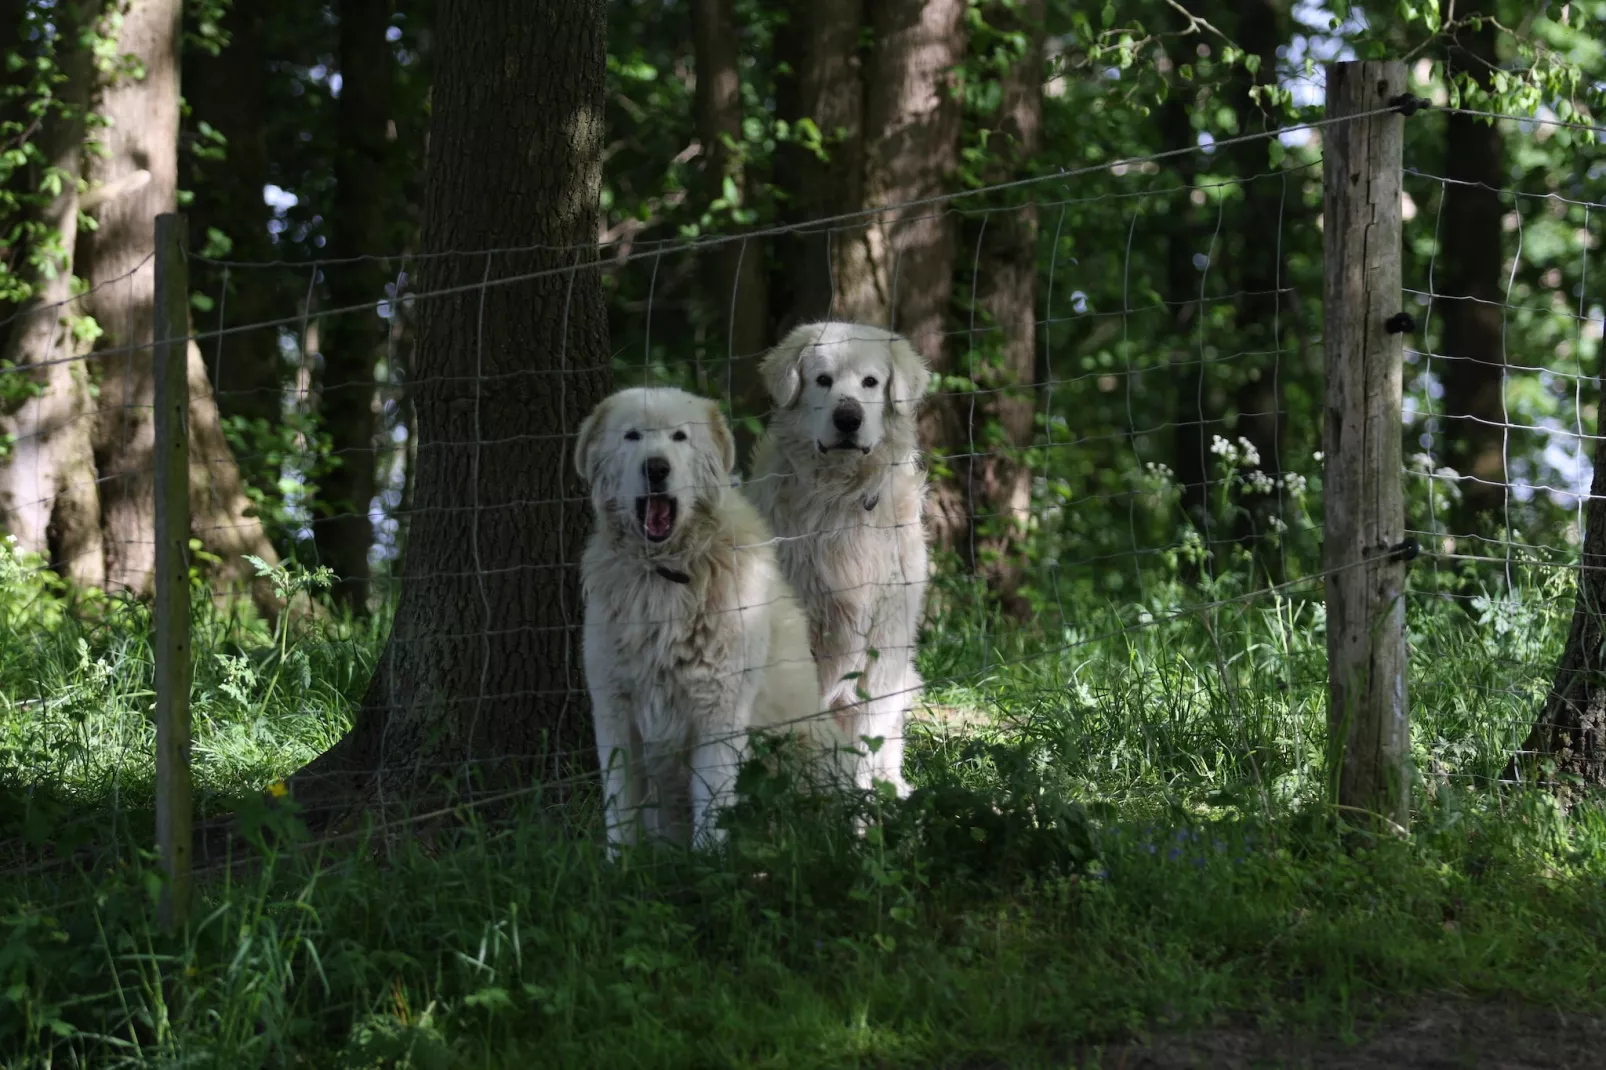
172, 582
1369, 732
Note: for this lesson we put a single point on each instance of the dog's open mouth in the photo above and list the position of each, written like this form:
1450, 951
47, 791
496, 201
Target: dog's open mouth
657, 515
834, 447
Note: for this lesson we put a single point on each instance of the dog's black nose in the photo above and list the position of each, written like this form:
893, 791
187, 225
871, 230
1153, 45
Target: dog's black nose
847, 418
657, 470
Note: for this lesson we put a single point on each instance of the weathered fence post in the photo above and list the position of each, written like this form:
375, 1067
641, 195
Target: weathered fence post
172, 587
1369, 735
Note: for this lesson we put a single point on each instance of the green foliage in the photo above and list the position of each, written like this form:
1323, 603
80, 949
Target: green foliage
1128, 826
1125, 825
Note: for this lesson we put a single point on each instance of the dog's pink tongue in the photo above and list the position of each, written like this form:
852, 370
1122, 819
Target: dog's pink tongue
658, 517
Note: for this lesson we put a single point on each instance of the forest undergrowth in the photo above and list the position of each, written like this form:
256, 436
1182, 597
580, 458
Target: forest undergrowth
1119, 827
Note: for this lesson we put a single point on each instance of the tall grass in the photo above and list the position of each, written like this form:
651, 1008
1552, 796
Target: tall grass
1124, 830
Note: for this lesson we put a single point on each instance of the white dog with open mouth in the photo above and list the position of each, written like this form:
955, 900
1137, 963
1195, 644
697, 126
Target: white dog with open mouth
692, 636
838, 476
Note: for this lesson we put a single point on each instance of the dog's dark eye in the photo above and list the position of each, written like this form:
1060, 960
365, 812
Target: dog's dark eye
824, 380
679, 436
870, 382
632, 436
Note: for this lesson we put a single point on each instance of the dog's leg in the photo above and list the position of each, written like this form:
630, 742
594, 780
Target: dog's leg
668, 817
618, 752
714, 767
887, 718
892, 684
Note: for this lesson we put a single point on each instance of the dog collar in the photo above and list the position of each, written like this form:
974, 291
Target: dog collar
671, 575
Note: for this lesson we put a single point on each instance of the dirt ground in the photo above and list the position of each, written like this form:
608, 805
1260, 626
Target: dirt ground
1444, 1035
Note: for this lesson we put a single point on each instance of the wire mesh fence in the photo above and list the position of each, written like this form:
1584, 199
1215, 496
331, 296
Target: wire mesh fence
1125, 464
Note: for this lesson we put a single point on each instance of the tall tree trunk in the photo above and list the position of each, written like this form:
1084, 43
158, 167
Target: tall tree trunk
998, 483
1194, 420
228, 92
141, 164
890, 129
821, 44
1569, 735
48, 496
1469, 264
353, 341
1259, 266
734, 276
898, 270
482, 670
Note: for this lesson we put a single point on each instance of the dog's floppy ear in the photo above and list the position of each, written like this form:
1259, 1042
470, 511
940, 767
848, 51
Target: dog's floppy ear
782, 369
585, 441
723, 442
909, 379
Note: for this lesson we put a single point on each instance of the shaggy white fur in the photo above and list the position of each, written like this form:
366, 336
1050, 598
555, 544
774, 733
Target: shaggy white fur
692, 635
838, 476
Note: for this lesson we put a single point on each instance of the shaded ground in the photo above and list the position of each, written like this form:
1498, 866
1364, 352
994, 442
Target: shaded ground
1444, 1035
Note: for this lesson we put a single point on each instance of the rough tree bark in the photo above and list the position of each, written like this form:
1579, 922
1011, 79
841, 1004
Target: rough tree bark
827, 89
734, 276
138, 177
1569, 735
353, 341
999, 423
228, 91
48, 497
1471, 298
482, 670
890, 126
1259, 265
898, 270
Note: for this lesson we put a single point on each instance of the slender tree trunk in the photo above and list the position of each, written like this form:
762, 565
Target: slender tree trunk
1194, 421
47, 484
1259, 266
141, 164
734, 275
827, 89
1566, 746
898, 270
353, 341
228, 92
482, 671
1471, 299
998, 484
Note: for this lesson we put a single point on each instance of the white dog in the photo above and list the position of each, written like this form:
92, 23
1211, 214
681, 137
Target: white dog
838, 476
692, 636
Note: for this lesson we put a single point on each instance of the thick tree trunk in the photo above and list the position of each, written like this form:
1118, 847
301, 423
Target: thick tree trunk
48, 496
229, 93
141, 162
1566, 747
998, 482
1259, 267
1471, 298
898, 270
734, 276
827, 89
482, 672
353, 341
890, 128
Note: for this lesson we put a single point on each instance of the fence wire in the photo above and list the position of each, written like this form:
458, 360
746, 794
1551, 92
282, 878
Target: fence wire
1151, 604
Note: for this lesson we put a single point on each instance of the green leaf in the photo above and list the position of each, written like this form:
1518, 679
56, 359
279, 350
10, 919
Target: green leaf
492, 998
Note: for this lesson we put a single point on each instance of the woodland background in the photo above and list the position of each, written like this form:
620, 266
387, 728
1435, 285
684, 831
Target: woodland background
427, 236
